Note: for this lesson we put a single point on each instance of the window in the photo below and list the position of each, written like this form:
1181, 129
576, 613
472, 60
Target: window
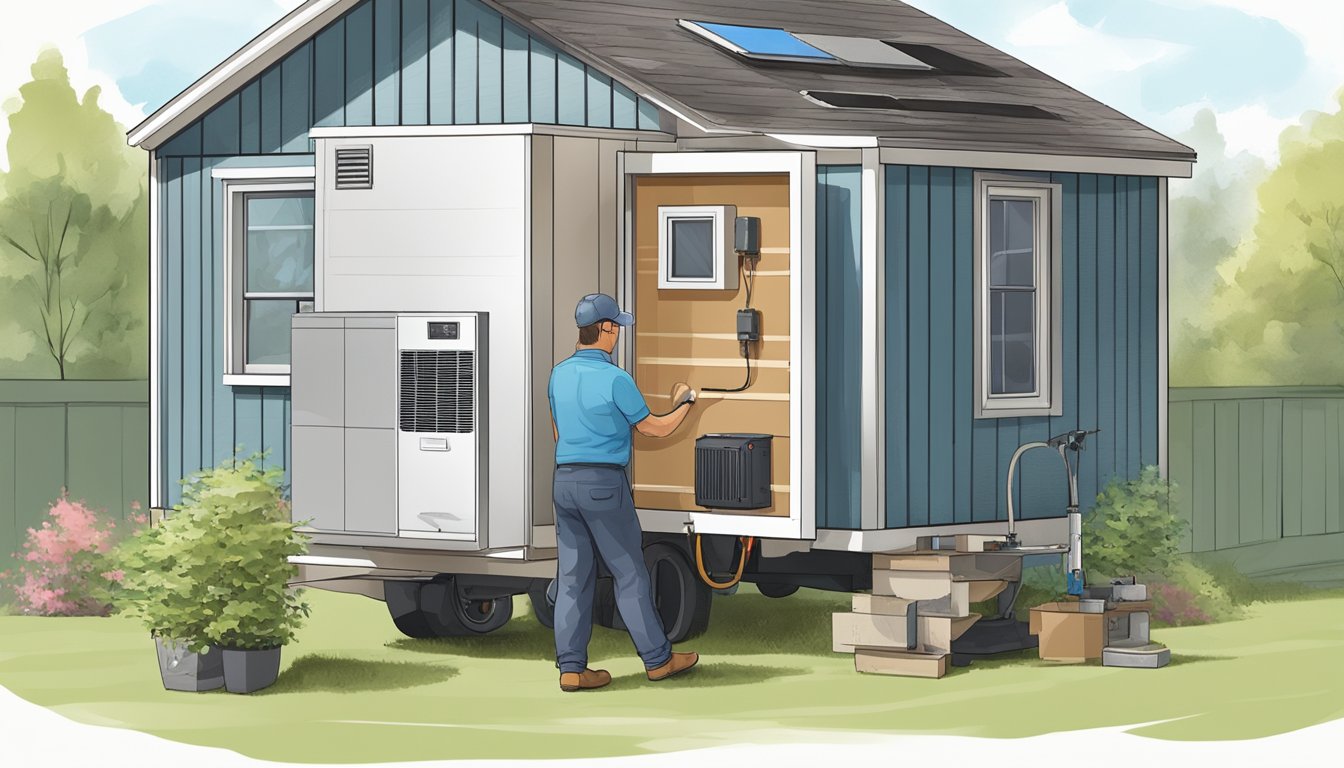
764, 42
695, 249
776, 44
1018, 369
268, 273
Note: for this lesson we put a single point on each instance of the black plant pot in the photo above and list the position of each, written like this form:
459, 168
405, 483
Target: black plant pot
184, 670
247, 670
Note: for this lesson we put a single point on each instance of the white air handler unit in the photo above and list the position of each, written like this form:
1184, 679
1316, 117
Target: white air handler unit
390, 420
441, 480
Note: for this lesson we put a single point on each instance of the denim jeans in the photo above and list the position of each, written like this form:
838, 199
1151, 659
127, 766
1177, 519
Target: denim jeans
595, 516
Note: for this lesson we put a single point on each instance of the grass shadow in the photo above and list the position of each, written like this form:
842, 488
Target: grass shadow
747, 623
334, 674
710, 674
1030, 658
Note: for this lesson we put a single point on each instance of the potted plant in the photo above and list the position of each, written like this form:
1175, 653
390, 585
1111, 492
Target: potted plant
244, 541
159, 587
212, 581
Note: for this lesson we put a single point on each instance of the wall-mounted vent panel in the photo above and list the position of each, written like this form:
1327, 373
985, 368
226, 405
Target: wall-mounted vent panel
438, 391
354, 167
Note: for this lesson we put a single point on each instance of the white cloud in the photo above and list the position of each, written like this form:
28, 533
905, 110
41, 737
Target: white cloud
1055, 39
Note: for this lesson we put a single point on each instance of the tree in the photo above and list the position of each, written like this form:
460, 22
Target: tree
73, 237
1275, 319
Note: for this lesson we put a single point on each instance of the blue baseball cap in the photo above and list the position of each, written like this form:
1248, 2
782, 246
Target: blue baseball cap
596, 307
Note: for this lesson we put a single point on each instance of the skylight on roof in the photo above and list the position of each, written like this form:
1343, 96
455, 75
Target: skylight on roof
762, 42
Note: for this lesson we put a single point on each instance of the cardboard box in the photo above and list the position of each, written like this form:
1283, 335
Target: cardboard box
1067, 634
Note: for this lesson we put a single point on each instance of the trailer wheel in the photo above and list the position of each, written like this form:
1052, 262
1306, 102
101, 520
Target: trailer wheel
681, 598
775, 589
403, 604
542, 596
437, 609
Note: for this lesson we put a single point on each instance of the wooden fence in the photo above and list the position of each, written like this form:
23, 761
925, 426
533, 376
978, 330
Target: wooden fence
1257, 465
90, 437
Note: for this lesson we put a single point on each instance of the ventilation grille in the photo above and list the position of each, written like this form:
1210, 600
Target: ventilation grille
354, 167
719, 476
438, 391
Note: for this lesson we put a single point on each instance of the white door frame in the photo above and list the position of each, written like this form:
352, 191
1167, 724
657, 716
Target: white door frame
801, 168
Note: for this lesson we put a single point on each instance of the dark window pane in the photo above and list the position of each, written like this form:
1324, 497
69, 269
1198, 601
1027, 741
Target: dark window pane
279, 245
268, 331
1012, 243
693, 248
1012, 349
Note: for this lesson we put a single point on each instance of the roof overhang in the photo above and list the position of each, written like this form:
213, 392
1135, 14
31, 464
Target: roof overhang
234, 72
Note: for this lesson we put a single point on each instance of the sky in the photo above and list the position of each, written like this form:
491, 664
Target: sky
1258, 64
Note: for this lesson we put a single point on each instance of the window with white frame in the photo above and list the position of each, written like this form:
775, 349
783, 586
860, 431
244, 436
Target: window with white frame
268, 272
1018, 370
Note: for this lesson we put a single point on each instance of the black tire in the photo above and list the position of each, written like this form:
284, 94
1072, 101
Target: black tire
775, 589
542, 597
403, 604
436, 609
680, 597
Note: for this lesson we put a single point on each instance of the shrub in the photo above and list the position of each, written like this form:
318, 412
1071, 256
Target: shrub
217, 569
65, 568
1132, 529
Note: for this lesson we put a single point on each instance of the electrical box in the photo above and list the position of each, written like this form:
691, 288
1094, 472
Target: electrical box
748, 325
748, 235
733, 471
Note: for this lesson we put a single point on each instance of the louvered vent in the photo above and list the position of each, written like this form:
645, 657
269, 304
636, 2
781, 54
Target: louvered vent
354, 167
438, 391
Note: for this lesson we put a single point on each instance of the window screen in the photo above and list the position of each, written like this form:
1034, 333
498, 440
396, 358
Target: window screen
1012, 296
278, 272
692, 248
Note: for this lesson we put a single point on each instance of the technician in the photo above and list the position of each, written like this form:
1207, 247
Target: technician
594, 403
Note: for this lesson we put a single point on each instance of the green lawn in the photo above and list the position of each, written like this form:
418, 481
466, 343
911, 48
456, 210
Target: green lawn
353, 690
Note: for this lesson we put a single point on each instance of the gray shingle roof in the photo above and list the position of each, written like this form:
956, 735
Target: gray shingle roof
641, 41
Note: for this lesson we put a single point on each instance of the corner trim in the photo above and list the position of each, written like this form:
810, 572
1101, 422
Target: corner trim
1163, 318
155, 406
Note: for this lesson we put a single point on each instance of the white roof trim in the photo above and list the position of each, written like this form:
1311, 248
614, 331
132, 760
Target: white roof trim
825, 142
248, 62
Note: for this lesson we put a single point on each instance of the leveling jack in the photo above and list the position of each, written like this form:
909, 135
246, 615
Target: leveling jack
1004, 632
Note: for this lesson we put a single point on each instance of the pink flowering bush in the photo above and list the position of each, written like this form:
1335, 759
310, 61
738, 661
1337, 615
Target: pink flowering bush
65, 568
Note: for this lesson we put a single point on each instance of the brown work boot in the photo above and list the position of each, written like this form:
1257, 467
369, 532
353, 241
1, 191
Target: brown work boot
585, 680
680, 662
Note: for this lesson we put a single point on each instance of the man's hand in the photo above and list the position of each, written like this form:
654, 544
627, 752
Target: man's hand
682, 393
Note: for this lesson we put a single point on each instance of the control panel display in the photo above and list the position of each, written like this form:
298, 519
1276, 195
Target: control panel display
443, 331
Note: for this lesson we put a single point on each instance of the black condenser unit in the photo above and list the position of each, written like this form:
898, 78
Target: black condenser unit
733, 471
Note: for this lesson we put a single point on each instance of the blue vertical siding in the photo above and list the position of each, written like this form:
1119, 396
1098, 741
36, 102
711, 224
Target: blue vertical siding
415, 62
943, 465
839, 346
412, 62
385, 62
917, 380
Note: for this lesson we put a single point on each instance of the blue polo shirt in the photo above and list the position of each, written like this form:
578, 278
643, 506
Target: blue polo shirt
594, 403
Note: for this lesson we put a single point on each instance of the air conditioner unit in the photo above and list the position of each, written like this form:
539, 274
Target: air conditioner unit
441, 452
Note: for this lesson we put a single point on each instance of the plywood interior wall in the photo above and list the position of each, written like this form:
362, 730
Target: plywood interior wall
690, 336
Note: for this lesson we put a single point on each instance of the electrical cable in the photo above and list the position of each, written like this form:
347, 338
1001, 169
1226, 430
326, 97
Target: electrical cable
749, 279
748, 542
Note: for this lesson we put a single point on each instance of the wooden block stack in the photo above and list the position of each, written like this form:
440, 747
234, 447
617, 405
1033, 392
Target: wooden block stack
921, 602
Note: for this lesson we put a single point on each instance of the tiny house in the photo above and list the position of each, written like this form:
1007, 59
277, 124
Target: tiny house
371, 226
